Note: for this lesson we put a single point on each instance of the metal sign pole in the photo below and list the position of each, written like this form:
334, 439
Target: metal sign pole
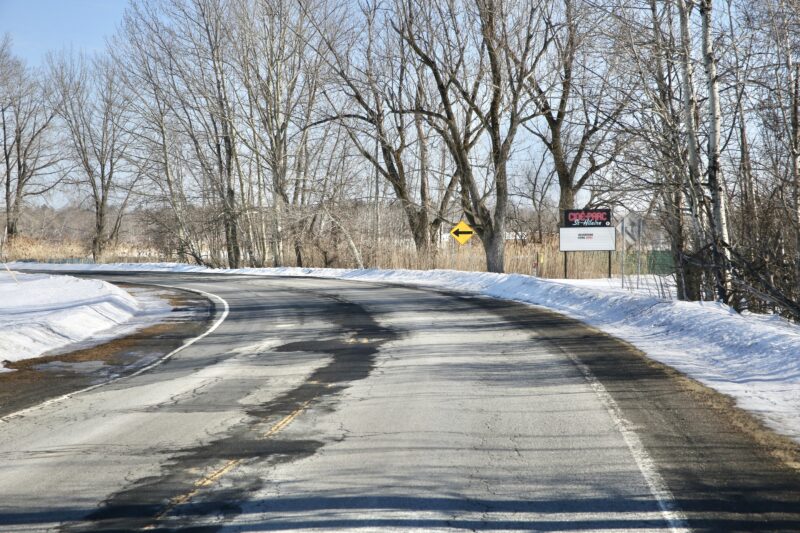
639, 253
622, 262
3, 254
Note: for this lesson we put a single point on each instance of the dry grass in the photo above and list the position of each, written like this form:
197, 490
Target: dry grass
540, 259
543, 260
25, 248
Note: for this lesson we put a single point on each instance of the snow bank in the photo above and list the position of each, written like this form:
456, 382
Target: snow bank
40, 313
754, 359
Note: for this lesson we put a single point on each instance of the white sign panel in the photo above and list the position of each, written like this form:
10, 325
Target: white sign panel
588, 239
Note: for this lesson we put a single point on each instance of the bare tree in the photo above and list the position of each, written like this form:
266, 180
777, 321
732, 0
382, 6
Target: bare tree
30, 152
716, 180
94, 111
478, 58
659, 158
673, 125
281, 82
193, 38
159, 146
779, 21
575, 90
537, 188
381, 96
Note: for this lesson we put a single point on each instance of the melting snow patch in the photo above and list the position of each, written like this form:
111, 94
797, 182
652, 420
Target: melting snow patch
41, 313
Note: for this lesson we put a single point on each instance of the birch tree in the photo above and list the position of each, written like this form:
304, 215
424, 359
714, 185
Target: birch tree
716, 180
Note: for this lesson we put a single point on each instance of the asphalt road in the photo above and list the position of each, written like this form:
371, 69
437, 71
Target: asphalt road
351, 406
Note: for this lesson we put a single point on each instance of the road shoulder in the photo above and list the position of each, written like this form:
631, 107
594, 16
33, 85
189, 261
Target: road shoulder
727, 470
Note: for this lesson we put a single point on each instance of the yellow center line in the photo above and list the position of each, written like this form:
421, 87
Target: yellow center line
202, 482
209, 479
287, 419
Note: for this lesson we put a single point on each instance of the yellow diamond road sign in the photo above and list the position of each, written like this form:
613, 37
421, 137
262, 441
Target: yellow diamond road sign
462, 232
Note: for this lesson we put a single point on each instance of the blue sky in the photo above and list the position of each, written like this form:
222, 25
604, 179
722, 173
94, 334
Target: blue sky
37, 26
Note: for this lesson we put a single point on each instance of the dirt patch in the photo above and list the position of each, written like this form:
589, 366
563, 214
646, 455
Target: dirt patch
41, 378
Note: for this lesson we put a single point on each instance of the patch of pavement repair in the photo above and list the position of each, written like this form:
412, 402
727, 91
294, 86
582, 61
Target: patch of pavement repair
174, 500
39, 379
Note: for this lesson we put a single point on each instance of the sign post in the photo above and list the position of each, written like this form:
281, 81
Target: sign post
622, 262
630, 237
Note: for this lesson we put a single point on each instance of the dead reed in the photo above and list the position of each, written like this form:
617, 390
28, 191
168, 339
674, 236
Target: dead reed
538, 259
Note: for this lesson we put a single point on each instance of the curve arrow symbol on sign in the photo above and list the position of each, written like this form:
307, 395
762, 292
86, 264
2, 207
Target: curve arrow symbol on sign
462, 232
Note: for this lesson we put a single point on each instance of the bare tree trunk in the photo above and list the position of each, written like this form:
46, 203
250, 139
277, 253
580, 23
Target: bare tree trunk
697, 201
689, 116
422, 231
277, 231
669, 147
99, 240
226, 169
794, 72
716, 181
8, 150
351, 245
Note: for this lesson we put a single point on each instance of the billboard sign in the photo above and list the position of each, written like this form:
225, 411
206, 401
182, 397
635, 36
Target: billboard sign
588, 239
587, 218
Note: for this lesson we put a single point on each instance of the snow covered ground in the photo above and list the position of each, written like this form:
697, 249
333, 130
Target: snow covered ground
41, 313
754, 359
